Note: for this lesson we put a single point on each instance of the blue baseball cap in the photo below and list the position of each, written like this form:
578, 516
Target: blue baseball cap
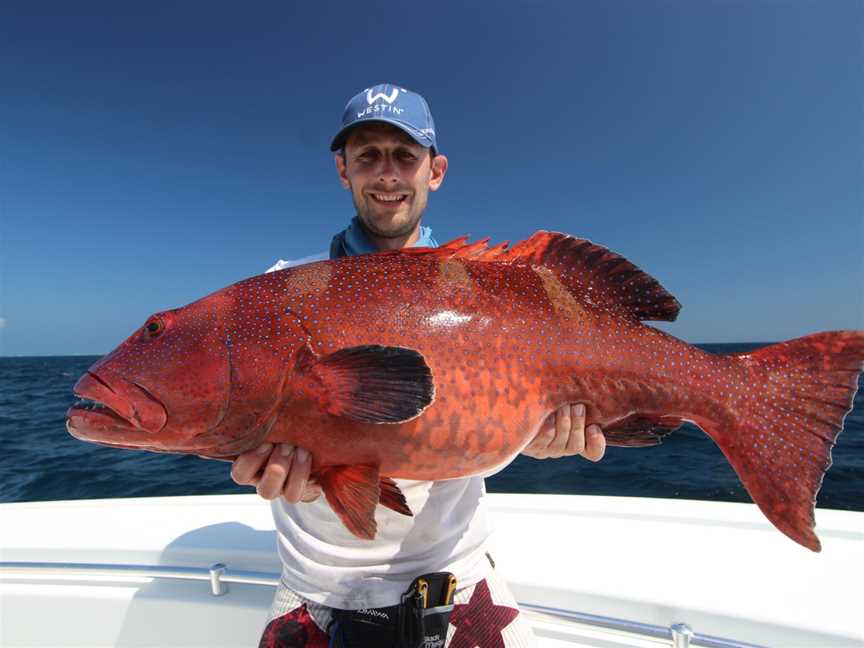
390, 104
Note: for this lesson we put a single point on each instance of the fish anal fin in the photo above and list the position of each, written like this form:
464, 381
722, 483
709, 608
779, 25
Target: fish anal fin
639, 430
392, 497
590, 271
371, 383
353, 493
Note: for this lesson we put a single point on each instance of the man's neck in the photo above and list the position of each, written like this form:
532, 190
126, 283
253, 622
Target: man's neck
382, 244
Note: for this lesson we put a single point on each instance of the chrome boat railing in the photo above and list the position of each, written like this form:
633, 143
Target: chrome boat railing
679, 635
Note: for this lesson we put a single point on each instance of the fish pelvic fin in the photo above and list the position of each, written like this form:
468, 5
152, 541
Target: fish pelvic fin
353, 493
587, 270
780, 445
370, 383
392, 497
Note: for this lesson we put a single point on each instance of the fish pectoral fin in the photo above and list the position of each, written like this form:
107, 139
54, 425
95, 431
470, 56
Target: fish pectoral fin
353, 493
392, 497
639, 430
373, 384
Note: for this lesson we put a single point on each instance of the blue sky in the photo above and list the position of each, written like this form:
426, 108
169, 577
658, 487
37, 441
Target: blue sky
153, 153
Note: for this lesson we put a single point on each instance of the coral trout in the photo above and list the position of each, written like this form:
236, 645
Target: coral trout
442, 363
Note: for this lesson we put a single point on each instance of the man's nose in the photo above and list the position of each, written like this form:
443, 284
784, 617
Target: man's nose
388, 171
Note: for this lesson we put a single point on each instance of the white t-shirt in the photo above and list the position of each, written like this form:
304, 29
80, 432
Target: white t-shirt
326, 563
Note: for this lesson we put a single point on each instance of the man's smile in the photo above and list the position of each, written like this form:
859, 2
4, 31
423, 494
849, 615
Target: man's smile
388, 198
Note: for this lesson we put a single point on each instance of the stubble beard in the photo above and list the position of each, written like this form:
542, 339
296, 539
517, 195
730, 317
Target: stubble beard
394, 228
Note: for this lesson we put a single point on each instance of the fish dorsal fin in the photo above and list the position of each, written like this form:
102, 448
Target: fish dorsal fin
604, 277
588, 270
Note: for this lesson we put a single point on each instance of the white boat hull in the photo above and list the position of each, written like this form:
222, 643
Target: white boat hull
719, 567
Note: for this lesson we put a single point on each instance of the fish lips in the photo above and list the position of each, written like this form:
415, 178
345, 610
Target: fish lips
122, 414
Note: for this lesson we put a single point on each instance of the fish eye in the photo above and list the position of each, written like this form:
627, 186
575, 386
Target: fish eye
154, 327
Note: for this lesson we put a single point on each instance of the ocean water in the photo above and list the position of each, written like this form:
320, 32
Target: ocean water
40, 461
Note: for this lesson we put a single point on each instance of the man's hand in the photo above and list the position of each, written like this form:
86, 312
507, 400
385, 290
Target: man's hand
277, 470
563, 434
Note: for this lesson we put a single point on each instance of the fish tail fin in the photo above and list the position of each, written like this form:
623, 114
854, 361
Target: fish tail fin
779, 442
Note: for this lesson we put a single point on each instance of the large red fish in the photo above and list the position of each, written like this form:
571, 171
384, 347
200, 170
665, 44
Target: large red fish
441, 363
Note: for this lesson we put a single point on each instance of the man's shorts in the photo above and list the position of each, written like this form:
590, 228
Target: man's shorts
485, 615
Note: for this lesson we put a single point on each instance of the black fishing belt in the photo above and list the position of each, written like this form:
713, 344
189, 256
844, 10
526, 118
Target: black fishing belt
421, 618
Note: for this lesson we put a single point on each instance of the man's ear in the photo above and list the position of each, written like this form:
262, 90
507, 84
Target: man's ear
439, 168
342, 170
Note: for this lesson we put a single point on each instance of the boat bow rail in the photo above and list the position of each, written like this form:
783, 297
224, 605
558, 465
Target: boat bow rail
218, 576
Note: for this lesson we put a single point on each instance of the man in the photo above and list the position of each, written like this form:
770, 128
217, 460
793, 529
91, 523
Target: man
387, 157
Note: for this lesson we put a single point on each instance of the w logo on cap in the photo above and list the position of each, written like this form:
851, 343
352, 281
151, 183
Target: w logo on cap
370, 98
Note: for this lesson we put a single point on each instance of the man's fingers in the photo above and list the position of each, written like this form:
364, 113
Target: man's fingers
538, 446
284, 471
246, 467
562, 421
295, 486
546, 434
272, 482
595, 445
563, 432
576, 440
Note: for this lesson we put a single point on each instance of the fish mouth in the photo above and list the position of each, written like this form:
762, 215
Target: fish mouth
114, 411
94, 409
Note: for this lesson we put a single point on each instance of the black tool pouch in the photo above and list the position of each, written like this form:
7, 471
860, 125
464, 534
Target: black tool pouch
365, 628
421, 619
425, 611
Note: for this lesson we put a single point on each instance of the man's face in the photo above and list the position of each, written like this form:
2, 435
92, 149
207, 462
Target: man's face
390, 176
